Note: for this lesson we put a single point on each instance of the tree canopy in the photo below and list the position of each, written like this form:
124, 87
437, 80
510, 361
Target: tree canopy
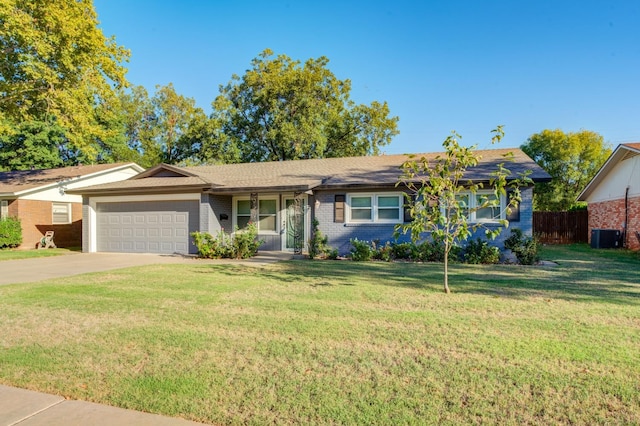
57, 68
281, 109
64, 99
572, 159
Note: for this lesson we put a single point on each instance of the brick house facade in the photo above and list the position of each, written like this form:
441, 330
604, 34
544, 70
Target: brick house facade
613, 195
36, 218
611, 214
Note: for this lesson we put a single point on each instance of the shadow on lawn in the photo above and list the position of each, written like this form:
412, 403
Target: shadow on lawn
580, 275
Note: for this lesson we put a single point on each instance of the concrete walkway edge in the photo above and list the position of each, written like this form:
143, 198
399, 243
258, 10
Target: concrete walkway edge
28, 408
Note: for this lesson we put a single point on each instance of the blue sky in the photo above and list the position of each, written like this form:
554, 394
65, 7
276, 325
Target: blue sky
441, 65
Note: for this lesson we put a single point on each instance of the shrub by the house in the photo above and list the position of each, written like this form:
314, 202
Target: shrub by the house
10, 232
242, 245
426, 251
481, 252
524, 248
361, 251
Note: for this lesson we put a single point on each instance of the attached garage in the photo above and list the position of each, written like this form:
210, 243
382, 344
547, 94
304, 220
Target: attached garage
146, 227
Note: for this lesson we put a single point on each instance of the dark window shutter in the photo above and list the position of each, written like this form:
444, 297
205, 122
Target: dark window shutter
338, 211
407, 213
514, 216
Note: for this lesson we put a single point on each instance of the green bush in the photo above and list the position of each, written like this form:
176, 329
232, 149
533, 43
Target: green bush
242, 245
433, 251
402, 251
480, 252
525, 248
361, 251
10, 233
318, 244
332, 253
382, 252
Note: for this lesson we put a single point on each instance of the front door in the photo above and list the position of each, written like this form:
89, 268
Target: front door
295, 224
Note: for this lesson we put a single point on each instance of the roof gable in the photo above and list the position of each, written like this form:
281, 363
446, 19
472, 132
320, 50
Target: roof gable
20, 181
621, 153
164, 170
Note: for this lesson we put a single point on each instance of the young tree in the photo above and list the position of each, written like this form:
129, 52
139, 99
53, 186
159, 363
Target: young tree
438, 196
282, 110
572, 160
57, 66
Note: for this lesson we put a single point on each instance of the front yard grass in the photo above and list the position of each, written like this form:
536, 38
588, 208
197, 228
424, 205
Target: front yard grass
12, 254
337, 342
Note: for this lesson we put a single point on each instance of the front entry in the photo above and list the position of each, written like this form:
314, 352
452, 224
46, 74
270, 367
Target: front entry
295, 224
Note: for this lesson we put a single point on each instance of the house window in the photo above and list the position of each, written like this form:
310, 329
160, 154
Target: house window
267, 214
243, 213
489, 213
361, 209
469, 204
61, 213
376, 208
267, 210
4, 209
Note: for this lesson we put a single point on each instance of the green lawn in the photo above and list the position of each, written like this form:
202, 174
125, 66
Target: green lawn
338, 342
10, 254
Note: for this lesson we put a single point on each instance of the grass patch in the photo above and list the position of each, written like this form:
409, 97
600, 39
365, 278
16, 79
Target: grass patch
339, 342
11, 254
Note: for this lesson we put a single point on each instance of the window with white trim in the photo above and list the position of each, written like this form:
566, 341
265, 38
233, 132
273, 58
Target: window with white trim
4, 209
490, 213
243, 213
376, 208
469, 203
61, 213
267, 214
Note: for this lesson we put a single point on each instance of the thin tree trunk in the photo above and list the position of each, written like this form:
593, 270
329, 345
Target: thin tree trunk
446, 268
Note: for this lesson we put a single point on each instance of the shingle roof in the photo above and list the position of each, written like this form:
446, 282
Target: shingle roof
22, 180
371, 171
634, 145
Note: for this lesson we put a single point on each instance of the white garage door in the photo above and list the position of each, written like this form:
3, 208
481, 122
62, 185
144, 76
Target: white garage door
147, 227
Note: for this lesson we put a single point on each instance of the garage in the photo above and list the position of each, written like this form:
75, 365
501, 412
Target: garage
146, 227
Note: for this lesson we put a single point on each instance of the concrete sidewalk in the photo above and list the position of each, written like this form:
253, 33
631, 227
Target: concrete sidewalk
27, 408
38, 269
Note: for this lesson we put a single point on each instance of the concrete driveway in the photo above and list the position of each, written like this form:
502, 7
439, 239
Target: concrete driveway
29, 270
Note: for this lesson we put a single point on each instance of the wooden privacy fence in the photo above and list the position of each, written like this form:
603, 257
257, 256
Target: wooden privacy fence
561, 227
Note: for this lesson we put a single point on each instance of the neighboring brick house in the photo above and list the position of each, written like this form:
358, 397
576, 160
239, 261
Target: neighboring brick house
613, 195
356, 197
39, 199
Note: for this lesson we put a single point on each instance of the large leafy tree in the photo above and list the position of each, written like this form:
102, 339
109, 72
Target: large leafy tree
438, 196
281, 109
33, 144
175, 115
572, 159
57, 67
166, 127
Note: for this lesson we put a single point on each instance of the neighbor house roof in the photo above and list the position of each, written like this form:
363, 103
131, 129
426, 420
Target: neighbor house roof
15, 183
302, 175
622, 152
